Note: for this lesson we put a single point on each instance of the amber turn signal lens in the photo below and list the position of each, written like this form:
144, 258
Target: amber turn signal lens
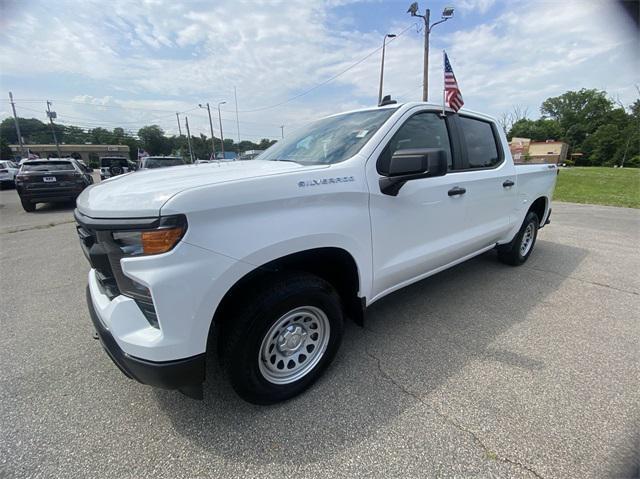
160, 241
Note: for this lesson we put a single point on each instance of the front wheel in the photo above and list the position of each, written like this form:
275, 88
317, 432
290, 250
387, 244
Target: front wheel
520, 248
278, 344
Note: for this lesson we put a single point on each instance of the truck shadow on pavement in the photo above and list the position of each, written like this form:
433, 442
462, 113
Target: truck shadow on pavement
413, 341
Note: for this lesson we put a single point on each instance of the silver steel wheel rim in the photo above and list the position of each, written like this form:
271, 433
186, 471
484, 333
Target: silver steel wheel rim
527, 240
294, 345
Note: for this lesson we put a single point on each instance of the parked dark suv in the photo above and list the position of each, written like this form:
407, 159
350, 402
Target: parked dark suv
48, 181
114, 166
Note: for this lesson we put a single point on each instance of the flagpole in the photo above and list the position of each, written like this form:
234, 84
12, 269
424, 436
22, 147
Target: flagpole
444, 87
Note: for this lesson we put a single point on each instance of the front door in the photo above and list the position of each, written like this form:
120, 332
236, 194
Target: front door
420, 229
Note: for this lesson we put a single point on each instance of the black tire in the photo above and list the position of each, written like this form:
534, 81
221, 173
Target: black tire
512, 253
249, 323
28, 206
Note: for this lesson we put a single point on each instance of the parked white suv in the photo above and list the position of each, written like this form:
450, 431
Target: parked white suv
8, 172
267, 257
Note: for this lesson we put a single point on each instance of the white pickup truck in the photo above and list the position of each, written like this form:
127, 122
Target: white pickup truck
264, 258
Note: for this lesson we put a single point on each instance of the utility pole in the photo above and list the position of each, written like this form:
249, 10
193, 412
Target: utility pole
179, 128
282, 131
52, 115
221, 134
213, 138
447, 13
624, 157
186, 122
384, 40
235, 94
15, 119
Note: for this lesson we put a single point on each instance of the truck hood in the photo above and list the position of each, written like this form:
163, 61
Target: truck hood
142, 193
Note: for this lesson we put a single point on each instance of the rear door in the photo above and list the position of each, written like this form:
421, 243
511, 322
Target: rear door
420, 229
489, 179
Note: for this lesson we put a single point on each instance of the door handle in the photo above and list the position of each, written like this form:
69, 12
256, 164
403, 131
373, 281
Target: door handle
456, 190
508, 184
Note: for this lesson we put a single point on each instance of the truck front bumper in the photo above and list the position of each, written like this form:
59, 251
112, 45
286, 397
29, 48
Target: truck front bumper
186, 374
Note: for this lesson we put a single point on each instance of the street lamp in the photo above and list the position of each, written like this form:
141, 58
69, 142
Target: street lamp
220, 120
213, 140
447, 13
384, 40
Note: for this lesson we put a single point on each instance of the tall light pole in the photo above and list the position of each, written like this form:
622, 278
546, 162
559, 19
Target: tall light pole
213, 139
52, 115
221, 134
384, 44
186, 122
447, 13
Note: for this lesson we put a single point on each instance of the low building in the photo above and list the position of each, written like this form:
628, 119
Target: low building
84, 152
524, 150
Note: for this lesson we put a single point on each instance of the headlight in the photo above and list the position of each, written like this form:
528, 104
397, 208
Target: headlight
160, 238
136, 243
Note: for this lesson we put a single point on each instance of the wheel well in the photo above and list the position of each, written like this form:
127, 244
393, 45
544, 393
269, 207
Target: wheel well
539, 207
334, 265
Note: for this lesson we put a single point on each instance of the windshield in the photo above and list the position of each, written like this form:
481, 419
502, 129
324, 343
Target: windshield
161, 162
330, 140
109, 162
48, 166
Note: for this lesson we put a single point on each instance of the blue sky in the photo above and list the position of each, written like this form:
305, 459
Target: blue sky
131, 63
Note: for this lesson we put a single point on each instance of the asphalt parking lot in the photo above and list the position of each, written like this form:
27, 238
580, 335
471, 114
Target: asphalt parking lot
484, 370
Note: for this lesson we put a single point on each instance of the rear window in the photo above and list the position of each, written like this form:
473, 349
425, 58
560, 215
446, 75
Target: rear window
109, 162
161, 162
482, 149
48, 166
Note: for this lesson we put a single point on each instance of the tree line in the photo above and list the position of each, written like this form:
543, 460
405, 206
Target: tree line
151, 139
602, 130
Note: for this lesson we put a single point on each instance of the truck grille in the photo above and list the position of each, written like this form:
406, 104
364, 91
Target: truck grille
104, 256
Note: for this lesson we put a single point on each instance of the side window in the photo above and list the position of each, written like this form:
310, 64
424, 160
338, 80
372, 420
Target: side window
424, 130
478, 136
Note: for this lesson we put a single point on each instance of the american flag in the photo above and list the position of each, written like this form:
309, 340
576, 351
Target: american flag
452, 94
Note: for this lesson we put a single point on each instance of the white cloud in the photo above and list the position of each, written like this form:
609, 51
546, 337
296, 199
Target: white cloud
138, 62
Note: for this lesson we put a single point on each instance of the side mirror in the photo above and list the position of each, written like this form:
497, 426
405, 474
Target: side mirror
412, 164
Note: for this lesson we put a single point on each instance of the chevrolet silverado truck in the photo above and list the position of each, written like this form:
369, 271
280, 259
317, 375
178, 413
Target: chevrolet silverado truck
262, 260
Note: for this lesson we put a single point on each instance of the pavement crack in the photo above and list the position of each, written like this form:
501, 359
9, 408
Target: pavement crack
586, 281
487, 452
19, 229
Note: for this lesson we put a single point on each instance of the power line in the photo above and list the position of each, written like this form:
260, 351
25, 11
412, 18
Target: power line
330, 79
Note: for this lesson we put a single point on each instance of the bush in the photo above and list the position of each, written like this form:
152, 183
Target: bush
633, 162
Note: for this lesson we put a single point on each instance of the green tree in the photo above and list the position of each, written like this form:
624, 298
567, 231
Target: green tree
579, 113
5, 151
538, 130
153, 140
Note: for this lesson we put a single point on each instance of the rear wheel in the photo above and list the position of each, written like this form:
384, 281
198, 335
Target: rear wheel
520, 248
28, 206
277, 344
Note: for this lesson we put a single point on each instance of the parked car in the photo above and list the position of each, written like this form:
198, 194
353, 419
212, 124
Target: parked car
84, 166
265, 258
249, 155
111, 166
50, 181
8, 170
150, 162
